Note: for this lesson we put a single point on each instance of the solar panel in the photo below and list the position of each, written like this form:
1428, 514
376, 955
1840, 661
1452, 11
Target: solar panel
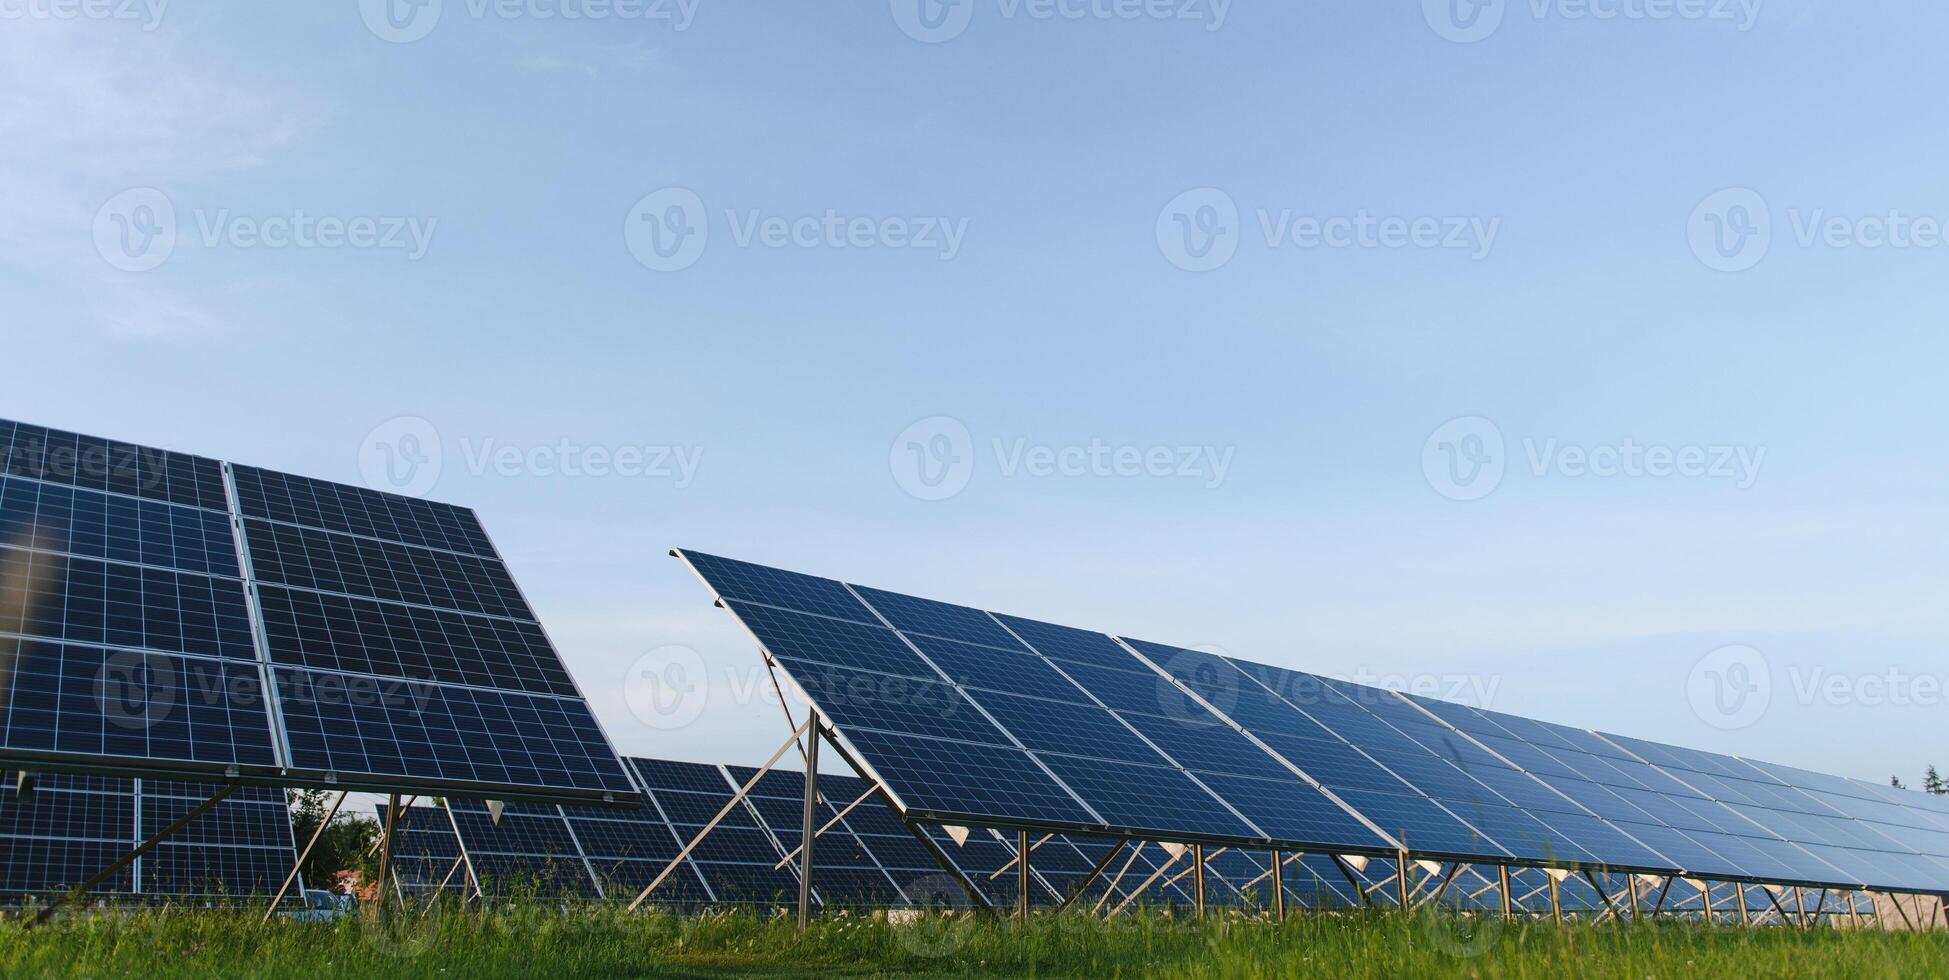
70, 827
176, 615
426, 853
985, 719
1005, 733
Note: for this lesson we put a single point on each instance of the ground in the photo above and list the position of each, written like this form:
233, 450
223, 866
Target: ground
535, 942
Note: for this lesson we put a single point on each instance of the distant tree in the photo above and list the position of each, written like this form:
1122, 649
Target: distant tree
1932, 783
1896, 781
345, 845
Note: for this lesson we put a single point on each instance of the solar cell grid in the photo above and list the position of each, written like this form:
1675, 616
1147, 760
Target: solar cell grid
854, 698
89, 524
75, 460
135, 647
1546, 793
70, 827
290, 499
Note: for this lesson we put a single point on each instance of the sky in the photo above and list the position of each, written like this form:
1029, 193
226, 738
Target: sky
1577, 359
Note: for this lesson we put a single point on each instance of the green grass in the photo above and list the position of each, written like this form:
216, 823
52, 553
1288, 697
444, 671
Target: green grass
535, 943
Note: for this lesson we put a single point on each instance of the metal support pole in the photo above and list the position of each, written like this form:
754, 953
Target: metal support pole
386, 849
1198, 877
1745, 914
810, 826
1705, 896
1454, 869
736, 798
1138, 893
1896, 900
841, 815
1853, 912
1366, 900
1800, 903
1663, 891
1111, 892
1631, 883
1278, 886
1602, 894
129, 858
1402, 892
1508, 900
1095, 873
1022, 879
330, 815
1556, 897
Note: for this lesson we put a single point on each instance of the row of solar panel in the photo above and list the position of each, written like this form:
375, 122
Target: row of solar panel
70, 827
969, 716
90, 463
400, 649
865, 858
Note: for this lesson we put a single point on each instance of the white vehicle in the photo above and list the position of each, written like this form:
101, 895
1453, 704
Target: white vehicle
324, 906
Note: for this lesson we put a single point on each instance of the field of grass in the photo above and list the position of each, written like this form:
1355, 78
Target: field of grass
601, 942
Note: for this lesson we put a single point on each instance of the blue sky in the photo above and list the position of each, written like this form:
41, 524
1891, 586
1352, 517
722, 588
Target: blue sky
1676, 236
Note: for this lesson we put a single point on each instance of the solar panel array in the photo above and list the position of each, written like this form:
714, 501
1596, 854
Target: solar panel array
71, 827
867, 858
175, 614
973, 717
426, 853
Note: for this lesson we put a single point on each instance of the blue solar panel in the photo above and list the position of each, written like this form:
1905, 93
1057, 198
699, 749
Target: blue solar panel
70, 827
395, 650
1124, 733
